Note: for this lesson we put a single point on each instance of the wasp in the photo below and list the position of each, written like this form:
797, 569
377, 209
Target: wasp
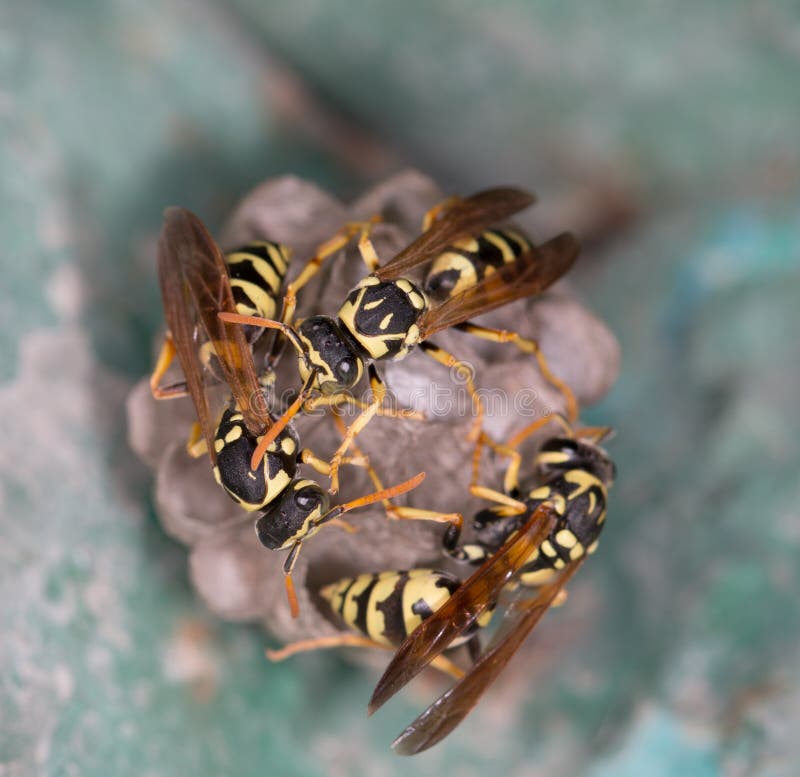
196, 286
387, 314
469, 261
527, 546
382, 609
256, 273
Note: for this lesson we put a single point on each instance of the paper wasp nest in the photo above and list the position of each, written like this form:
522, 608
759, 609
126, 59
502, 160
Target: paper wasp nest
239, 578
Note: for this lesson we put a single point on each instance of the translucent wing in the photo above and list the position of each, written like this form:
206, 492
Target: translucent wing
454, 705
469, 216
196, 288
181, 319
528, 275
464, 607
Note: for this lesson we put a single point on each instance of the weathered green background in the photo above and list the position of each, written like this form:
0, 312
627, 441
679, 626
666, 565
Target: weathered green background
687, 659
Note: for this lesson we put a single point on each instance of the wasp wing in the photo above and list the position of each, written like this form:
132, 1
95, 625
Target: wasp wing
528, 275
181, 321
469, 216
454, 705
463, 608
196, 260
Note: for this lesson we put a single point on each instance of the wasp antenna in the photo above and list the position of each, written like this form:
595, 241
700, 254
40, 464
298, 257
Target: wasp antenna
281, 423
288, 568
291, 595
595, 434
264, 323
377, 496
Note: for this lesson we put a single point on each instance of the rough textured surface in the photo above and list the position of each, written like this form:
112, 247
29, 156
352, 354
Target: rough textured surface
677, 654
236, 576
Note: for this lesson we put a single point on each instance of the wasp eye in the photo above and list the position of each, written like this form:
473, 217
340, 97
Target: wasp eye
346, 369
308, 498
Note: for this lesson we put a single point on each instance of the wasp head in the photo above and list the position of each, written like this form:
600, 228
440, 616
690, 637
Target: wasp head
293, 516
328, 351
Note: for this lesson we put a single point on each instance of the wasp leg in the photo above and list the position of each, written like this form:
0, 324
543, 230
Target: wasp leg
353, 640
465, 372
378, 396
526, 345
165, 357
196, 445
335, 400
330, 247
482, 492
474, 648
436, 210
276, 428
368, 253
455, 520
394, 512
342, 524
324, 467
510, 482
373, 475
534, 426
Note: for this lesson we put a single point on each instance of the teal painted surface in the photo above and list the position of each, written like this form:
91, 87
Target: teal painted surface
679, 653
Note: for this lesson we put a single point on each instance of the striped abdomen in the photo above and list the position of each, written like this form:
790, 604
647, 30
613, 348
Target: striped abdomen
388, 606
257, 271
579, 498
470, 260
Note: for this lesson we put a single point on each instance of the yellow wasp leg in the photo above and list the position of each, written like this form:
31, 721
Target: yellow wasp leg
196, 444
353, 640
324, 467
436, 210
378, 395
395, 512
534, 426
342, 524
420, 514
335, 400
367, 250
526, 345
330, 247
511, 481
465, 371
165, 357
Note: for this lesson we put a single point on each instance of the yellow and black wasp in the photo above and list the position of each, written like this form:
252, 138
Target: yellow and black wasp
196, 287
467, 262
255, 274
387, 314
527, 547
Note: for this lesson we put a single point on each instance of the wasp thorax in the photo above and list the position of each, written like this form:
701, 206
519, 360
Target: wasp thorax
491, 527
328, 350
382, 316
560, 454
294, 516
234, 447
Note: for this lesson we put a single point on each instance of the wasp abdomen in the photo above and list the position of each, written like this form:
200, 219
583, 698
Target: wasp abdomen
234, 447
580, 498
257, 271
388, 606
470, 260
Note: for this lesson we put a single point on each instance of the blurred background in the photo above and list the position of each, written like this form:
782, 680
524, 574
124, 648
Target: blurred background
666, 133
